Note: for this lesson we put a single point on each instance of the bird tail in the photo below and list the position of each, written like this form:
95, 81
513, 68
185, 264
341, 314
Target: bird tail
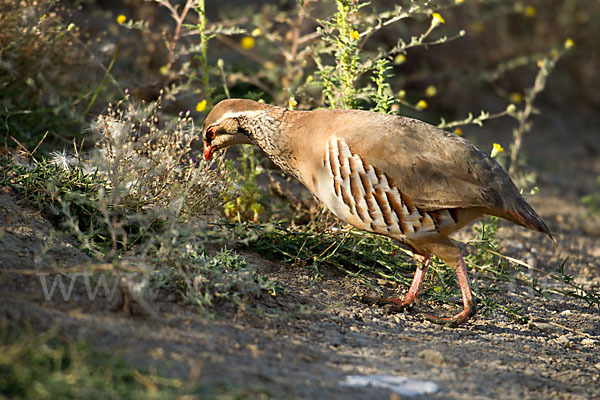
523, 214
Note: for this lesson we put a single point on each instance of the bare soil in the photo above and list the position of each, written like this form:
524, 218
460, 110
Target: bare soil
303, 343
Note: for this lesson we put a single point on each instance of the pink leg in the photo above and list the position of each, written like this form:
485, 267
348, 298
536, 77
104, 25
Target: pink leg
469, 307
413, 291
415, 286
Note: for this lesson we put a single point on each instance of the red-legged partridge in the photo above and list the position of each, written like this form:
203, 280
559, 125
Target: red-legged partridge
386, 174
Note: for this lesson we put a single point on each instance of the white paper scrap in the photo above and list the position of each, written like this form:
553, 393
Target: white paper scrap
399, 384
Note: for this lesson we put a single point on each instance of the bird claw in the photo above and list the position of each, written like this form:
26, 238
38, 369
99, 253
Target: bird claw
365, 300
396, 305
454, 321
372, 301
399, 305
400, 308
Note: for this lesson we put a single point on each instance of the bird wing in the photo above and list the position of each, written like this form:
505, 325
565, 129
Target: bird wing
433, 168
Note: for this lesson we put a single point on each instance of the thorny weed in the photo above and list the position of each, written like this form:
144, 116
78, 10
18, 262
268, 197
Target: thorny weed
546, 65
140, 198
342, 39
150, 166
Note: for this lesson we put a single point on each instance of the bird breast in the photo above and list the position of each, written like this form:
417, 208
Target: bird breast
366, 197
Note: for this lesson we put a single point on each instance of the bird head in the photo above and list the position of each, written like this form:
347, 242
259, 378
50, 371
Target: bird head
223, 126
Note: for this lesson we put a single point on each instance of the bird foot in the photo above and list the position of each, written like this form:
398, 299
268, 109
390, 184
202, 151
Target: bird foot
397, 305
454, 321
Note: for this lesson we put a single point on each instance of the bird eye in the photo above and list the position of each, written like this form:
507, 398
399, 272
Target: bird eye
210, 133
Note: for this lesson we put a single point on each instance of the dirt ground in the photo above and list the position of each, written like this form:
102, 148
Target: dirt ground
303, 343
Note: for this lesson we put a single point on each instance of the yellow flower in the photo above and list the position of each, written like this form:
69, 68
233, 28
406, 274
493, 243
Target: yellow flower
43, 18
458, 1
458, 131
496, 149
430, 91
437, 19
163, 70
71, 27
354, 34
515, 97
121, 19
292, 103
247, 42
569, 43
201, 106
402, 94
256, 32
421, 105
400, 59
530, 11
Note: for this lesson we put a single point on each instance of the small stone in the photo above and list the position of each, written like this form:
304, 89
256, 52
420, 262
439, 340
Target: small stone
542, 326
566, 312
432, 356
515, 244
591, 226
588, 342
563, 339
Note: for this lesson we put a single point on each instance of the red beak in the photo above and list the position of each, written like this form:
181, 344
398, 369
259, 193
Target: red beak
209, 150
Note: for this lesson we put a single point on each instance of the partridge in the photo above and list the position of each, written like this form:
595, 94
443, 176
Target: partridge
387, 174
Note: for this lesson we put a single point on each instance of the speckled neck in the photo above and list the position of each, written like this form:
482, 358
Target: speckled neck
265, 130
